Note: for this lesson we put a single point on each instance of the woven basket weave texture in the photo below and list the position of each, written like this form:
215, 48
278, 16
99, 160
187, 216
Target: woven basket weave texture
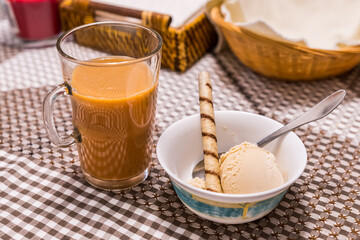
283, 60
182, 46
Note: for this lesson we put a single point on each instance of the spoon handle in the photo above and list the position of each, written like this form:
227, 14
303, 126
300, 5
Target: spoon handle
320, 110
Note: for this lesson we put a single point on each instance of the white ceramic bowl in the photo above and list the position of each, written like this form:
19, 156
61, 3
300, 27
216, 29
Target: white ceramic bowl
179, 149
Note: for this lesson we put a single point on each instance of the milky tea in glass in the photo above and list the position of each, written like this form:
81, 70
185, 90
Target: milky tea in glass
111, 74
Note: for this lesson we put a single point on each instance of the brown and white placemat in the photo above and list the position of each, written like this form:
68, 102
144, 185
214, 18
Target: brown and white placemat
43, 194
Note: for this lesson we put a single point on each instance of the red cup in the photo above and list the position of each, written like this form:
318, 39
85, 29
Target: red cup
36, 19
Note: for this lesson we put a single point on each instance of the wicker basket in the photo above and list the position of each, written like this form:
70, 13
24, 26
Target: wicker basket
283, 60
182, 46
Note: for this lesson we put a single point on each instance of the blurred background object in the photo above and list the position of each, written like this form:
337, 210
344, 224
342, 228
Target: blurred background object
186, 31
266, 52
33, 23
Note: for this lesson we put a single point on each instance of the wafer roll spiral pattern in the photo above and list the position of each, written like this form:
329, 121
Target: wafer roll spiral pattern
211, 158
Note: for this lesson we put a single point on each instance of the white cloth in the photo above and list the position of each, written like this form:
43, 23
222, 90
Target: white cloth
322, 24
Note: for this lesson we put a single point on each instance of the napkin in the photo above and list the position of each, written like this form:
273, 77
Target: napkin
322, 24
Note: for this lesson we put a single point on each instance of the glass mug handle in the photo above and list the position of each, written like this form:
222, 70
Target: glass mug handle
48, 117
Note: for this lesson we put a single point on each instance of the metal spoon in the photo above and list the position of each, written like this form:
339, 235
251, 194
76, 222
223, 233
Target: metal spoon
320, 110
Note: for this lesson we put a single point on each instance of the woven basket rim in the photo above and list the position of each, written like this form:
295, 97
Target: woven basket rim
217, 17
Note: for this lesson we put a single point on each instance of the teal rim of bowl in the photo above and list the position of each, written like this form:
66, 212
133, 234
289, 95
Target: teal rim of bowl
227, 210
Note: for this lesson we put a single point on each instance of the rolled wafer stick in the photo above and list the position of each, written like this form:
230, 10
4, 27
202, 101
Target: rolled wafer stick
211, 158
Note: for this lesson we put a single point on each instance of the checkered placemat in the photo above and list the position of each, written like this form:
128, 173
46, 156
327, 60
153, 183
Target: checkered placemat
43, 194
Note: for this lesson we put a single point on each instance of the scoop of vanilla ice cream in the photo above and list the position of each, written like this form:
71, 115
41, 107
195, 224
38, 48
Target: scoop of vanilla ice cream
246, 168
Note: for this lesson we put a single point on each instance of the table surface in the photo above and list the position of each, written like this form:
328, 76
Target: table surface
43, 194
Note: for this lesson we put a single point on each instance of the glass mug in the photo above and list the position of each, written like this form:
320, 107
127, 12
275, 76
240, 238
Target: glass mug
110, 72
